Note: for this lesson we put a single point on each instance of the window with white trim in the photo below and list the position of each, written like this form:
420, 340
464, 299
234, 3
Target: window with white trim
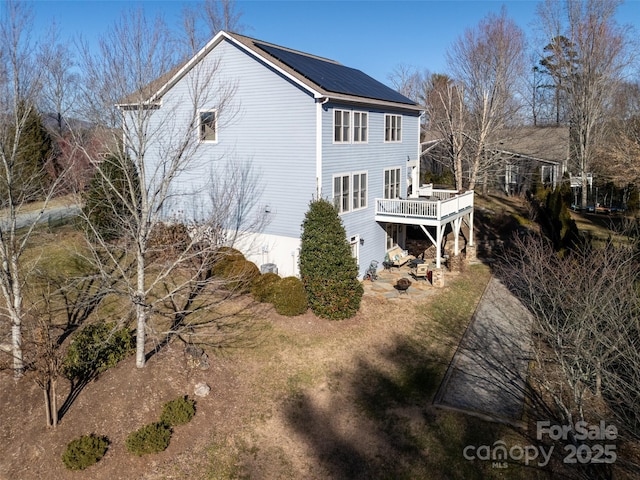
208, 126
392, 182
350, 191
341, 126
359, 183
341, 192
392, 128
360, 127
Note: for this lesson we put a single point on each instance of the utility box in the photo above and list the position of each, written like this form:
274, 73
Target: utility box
269, 268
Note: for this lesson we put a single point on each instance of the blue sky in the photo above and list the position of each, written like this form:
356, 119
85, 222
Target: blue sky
373, 36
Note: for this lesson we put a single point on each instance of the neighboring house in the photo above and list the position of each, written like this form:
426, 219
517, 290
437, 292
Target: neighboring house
310, 127
519, 157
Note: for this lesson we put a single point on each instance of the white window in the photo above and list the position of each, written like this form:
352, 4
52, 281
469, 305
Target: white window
208, 128
360, 127
392, 182
341, 126
350, 191
341, 192
547, 174
393, 128
359, 190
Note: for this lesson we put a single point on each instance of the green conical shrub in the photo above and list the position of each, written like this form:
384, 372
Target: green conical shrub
328, 271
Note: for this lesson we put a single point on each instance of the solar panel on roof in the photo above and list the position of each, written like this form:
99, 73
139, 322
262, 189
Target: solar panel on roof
335, 77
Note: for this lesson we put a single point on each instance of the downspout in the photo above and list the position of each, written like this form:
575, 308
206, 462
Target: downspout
419, 147
319, 108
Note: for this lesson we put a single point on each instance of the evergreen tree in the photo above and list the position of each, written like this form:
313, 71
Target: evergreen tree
32, 150
560, 64
109, 194
327, 269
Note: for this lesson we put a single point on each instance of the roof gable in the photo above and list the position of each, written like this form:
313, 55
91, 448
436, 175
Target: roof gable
322, 77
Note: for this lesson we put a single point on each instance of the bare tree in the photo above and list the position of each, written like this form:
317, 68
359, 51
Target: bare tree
487, 62
447, 115
538, 95
618, 157
586, 307
599, 56
48, 356
155, 147
204, 20
20, 174
410, 82
59, 80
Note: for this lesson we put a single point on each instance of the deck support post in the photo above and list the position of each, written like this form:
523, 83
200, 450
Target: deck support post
457, 223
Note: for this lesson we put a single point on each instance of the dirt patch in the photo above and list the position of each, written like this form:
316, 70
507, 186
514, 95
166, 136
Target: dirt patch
119, 402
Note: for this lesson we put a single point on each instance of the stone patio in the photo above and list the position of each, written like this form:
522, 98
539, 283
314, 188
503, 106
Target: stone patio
384, 286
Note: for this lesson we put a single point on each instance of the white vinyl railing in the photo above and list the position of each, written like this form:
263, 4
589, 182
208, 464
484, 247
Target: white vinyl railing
449, 203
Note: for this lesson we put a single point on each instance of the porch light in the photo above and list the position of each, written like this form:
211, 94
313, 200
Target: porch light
267, 209
362, 241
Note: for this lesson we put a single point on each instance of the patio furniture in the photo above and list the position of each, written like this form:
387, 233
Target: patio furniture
421, 270
397, 257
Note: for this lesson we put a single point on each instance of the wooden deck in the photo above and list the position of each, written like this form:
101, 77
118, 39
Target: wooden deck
439, 208
434, 213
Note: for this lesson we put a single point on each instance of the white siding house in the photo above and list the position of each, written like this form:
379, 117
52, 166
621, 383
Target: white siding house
309, 127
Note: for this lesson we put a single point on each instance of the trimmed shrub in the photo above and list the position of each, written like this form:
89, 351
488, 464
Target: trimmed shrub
95, 349
263, 287
178, 411
152, 438
223, 258
84, 451
289, 298
240, 274
328, 271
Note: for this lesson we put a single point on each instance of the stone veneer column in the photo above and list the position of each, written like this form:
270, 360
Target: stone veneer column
437, 277
470, 253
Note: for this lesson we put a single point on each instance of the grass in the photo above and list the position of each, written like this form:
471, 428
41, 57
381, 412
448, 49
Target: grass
374, 381
345, 399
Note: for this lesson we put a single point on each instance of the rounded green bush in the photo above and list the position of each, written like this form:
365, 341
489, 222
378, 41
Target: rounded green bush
289, 297
263, 286
152, 438
240, 274
222, 258
96, 348
178, 411
84, 451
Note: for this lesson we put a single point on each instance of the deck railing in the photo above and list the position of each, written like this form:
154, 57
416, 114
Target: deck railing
446, 202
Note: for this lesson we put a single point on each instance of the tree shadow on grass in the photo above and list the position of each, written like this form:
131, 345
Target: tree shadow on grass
392, 429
